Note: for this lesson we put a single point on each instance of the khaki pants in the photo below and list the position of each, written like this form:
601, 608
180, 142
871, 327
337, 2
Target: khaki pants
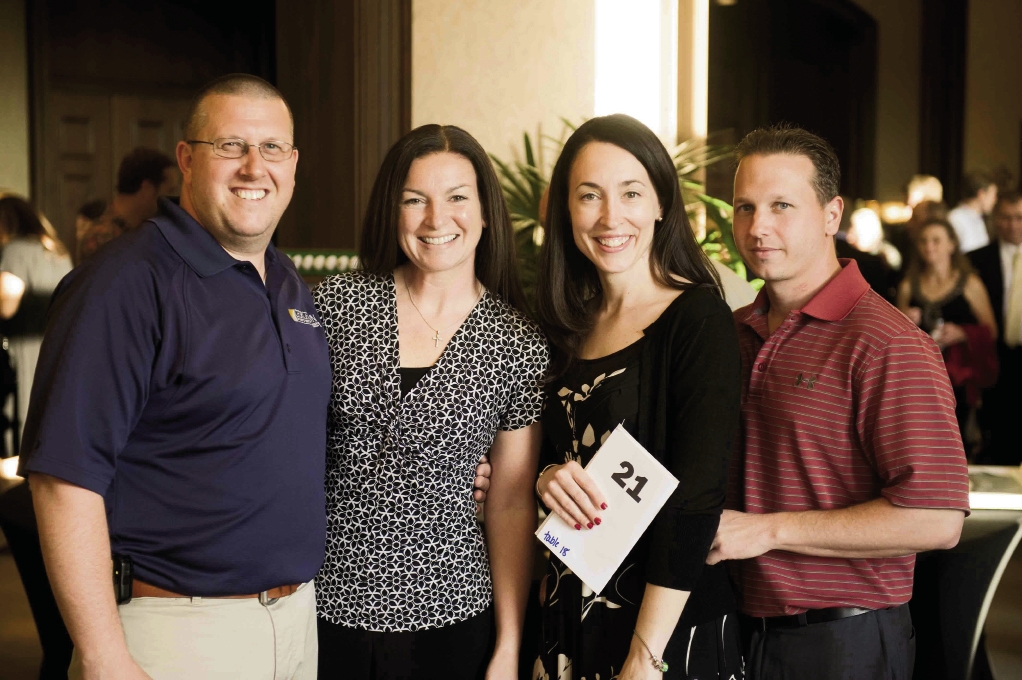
198, 638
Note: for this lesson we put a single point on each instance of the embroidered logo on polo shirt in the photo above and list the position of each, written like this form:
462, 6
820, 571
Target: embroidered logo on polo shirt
806, 380
303, 317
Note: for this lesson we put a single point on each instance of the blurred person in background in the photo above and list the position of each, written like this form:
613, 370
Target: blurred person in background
942, 295
903, 237
979, 194
999, 265
33, 263
866, 233
873, 268
144, 176
923, 188
87, 214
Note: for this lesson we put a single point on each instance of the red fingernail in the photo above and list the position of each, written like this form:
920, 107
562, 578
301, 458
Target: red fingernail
603, 506
598, 520
579, 527
590, 525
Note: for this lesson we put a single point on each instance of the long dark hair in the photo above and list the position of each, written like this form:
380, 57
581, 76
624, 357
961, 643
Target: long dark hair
380, 252
568, 290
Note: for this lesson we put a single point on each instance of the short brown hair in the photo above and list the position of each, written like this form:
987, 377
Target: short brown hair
241, 84
791, 140
1010, 197
974, 182
142, 165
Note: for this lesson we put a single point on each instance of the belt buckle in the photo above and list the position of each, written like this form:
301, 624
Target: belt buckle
265, 600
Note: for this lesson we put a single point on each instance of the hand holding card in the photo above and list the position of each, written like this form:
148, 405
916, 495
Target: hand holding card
634, 486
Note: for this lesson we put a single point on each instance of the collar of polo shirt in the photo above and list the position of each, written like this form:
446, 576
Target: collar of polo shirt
193, 243
833, 303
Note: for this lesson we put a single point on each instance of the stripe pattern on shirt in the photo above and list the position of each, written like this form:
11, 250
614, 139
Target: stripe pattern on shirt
847, 401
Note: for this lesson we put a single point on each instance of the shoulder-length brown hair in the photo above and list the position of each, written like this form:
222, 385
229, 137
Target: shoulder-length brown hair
959, 260
18, 219
568, 288
379, 251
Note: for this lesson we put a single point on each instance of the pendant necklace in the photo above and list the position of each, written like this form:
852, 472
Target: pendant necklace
436, 331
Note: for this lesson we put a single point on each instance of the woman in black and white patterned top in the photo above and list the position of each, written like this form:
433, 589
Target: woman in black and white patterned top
434, 366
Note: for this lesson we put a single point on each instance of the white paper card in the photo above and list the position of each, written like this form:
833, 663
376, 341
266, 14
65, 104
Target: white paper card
636, 486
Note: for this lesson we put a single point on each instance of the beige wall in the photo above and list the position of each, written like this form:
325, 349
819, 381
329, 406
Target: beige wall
13, 98
993, 87
500, 67
897, 131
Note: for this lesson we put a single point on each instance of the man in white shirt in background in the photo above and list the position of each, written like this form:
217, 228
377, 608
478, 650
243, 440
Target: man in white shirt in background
979, 194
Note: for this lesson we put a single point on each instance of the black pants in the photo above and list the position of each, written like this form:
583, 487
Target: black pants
18, 523
999, 416
457, 652
879, 645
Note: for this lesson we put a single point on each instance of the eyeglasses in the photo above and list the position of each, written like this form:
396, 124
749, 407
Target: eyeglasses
273, 152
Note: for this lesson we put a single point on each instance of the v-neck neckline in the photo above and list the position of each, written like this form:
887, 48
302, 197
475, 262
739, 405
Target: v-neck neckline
396, 344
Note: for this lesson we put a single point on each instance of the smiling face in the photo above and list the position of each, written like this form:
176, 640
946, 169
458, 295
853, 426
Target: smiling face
238, 200
613, 206
935, 246
781, 230
441, 217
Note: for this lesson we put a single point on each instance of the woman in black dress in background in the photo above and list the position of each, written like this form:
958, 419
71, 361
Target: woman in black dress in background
944, 297
640, 335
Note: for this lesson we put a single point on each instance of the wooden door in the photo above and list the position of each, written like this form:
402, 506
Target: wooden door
78, 158
146, 121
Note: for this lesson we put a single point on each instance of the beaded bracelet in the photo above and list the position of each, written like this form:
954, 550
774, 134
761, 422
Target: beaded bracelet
657, 662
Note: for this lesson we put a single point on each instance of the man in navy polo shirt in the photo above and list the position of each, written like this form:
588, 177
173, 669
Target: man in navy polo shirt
178, 419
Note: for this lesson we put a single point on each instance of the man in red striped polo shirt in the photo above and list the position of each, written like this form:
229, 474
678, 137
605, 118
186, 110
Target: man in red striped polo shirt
851, 460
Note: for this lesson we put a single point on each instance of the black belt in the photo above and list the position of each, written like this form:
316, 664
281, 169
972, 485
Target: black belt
810, 617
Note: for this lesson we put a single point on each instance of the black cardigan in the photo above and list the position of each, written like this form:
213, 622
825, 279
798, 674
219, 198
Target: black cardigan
689, 399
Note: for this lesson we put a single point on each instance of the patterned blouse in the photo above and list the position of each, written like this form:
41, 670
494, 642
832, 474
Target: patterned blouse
404, 550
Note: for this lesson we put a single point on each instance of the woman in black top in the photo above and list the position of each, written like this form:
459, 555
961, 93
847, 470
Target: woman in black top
944, 297
640, 335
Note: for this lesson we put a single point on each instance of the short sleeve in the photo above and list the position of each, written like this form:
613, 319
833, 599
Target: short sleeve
93, 375
908, 427
527, 362
16, 259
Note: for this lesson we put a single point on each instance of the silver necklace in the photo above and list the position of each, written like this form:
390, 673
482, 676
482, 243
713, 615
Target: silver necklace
436, 331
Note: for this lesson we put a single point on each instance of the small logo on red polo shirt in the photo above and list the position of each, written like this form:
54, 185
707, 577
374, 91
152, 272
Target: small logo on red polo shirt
303, 317
806, 380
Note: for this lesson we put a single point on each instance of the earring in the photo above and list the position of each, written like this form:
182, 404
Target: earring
660, 219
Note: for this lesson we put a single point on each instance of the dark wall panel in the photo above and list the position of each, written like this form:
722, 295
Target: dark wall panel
344, 66
157, 44
808, 62
942, 94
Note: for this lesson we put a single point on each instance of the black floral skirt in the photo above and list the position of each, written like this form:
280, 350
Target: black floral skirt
587, 637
